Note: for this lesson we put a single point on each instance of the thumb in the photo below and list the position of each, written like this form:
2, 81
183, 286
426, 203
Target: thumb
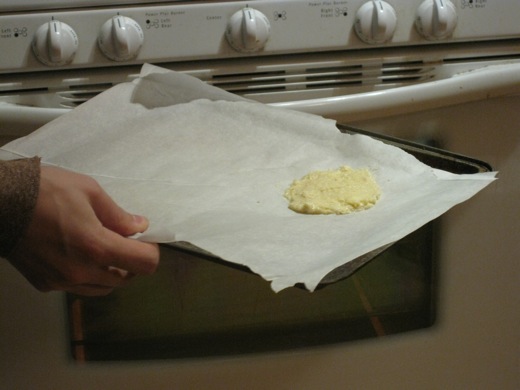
115, 218
129, 224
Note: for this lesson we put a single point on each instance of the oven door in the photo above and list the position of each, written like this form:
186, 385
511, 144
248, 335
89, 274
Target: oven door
395, 292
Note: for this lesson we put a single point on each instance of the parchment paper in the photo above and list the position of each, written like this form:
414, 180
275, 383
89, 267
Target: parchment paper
208, 168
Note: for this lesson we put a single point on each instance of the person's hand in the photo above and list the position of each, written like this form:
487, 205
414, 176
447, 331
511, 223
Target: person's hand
77, 239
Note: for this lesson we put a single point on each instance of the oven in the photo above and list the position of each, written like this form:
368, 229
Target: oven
439, 79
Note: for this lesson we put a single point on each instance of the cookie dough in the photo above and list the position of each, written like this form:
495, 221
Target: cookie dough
339, 191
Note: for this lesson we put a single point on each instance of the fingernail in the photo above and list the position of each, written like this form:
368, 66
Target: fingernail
139, 219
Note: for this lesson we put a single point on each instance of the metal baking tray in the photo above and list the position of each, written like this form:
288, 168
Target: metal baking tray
429, 155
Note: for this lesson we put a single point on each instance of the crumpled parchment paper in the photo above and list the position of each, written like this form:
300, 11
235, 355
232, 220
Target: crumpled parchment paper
209, 168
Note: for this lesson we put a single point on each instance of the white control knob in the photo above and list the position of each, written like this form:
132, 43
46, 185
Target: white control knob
436, 19
376, 22
120, 38
248, 30
55, 43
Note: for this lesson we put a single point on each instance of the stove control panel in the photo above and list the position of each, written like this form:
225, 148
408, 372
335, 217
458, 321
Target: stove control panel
95, 37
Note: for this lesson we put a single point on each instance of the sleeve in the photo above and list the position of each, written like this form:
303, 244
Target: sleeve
19, 186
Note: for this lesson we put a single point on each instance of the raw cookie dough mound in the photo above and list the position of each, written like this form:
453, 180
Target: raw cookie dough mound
340, 191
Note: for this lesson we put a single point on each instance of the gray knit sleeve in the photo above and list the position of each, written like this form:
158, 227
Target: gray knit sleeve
19, 186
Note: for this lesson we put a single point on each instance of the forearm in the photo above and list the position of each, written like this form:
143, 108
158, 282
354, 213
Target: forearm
19, 185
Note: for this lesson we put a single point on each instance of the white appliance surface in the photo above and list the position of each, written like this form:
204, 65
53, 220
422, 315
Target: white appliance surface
475, 341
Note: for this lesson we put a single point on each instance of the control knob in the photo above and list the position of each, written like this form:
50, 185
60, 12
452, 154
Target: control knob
55, 43
376, 22
248, 30
436, 19
120, 38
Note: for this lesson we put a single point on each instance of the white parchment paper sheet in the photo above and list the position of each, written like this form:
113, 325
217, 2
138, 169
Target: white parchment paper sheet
209, 168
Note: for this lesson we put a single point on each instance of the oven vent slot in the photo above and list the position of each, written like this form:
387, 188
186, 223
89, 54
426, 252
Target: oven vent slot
79, 94
26, 91
341, 78
238, 83
482, 58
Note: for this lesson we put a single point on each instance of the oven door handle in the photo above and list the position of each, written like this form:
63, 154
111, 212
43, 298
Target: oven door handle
481, 84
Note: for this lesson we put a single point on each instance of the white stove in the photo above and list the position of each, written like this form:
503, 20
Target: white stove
447, 71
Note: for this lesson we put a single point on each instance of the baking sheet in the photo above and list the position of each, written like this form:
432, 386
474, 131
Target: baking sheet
208, 168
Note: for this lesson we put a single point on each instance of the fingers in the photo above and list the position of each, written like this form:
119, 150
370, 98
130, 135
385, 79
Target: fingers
135, 257
85, 279
103, 282
126, 254
90, 290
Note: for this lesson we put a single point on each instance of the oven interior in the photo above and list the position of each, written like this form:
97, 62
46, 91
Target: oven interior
198, 305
